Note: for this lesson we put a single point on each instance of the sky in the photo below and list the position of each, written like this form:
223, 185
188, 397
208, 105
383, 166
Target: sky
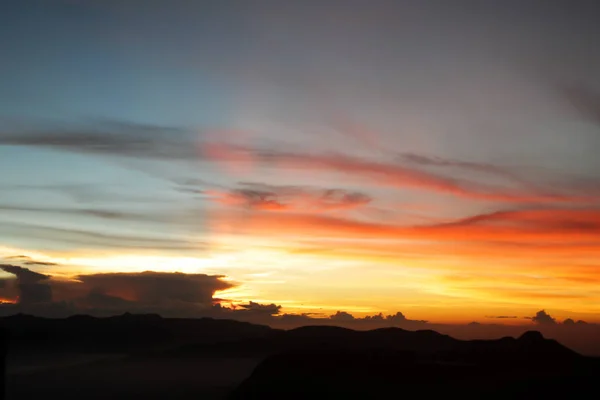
434, 158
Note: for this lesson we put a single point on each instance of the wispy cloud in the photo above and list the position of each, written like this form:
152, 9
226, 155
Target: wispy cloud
93, 239
97, 213
382, 173
290, 198
509, 226
408, 171
428, 161
113, 138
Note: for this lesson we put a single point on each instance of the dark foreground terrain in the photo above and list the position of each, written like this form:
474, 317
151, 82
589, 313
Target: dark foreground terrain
149, 357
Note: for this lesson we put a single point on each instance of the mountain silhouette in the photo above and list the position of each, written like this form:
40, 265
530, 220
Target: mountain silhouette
325, 362
340, 363
307, 362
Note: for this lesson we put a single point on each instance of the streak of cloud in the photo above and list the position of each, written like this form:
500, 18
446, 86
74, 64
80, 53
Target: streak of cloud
381, 173
289, 198
563, 225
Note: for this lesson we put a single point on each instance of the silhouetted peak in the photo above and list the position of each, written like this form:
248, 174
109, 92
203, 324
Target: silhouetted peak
22, 317
390, 330
429, 333
81, 317
313, 330
144, 317
531, 337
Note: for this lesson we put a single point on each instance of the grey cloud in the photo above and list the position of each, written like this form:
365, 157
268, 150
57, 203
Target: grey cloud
257, 308
33, 293
96, 239
84, 192
571, 322
265, 196
23, 275
168, 294
96, 300
347, 320
543, 318
43, 263
104, 214
18, 257
427, 161
156, 288
341, 316
31, 286
114, 138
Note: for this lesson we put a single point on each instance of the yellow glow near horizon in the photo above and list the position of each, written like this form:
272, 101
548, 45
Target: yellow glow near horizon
316, 283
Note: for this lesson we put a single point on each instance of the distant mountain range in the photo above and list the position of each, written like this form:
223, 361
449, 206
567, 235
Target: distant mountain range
327, 361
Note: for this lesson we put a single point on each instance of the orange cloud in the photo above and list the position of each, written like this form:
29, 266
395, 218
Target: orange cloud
510, 226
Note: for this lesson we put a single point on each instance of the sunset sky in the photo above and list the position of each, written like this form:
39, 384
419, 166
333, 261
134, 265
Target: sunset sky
438, 158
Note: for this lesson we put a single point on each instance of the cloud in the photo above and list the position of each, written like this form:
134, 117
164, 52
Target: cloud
154, 142
398, 317
43, 263
85, 192
502, 316
524, 226
170, 294
543, 318
378, 319
571, 323
115, 138
156, 288
34, 293
422, 160
96, 300
257, 308
346, 319
29, 287
24, 275
104, 214
91, 239
341, 316
379, 173
291, 198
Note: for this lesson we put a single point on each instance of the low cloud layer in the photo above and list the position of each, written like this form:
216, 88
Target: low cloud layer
192, 296
170, 294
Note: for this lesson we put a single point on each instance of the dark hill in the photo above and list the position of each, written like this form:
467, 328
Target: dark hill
338, 363
123, 333
320, 361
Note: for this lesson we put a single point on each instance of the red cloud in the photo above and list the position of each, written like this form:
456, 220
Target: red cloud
532, 226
